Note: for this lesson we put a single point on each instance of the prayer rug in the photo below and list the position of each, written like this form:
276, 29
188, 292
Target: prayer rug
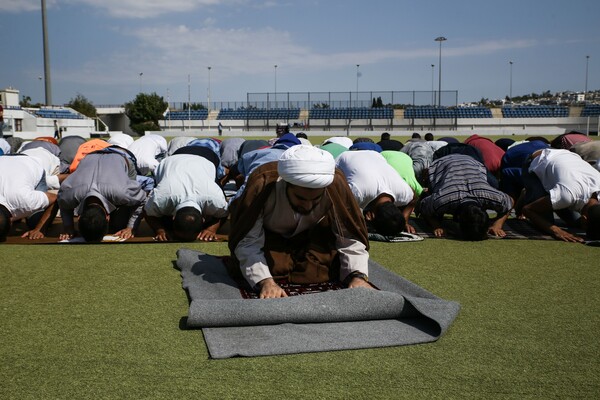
402, 237
399, 313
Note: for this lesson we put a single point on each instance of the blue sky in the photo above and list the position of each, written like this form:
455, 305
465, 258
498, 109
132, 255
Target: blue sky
99, 47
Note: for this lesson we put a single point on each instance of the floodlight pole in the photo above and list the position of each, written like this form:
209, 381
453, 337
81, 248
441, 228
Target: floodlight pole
432, 85
510, 88
357, 76
47, 80
275, 69
440, 39
587, 61
208, 97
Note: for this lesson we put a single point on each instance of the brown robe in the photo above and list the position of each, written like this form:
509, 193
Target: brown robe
309, 257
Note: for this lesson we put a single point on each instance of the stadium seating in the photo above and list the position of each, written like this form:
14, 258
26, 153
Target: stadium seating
57, 114
535, 111
591, 110
351, 113
259, 113
429, 112
201, 114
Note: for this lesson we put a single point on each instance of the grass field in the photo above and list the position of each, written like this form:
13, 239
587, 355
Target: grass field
104, 321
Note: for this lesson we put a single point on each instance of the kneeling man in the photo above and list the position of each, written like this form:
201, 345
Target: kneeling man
297, 219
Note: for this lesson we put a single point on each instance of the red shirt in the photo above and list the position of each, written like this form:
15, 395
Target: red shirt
492, 154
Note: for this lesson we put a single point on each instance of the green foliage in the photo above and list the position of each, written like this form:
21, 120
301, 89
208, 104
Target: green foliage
26, 102
82, 105
145, 111
377, 102
194, 106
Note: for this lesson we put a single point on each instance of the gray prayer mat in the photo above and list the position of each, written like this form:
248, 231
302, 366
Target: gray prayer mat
399, 313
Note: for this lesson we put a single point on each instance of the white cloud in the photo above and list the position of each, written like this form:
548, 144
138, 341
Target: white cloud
19, 5
169, 52
149, 8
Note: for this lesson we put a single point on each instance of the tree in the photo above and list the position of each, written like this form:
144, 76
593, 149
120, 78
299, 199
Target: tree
145, 111
82, 105
26, 102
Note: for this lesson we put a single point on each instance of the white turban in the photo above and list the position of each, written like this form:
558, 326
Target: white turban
306, 166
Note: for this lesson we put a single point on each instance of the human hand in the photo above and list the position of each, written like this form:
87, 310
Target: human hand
359, 282
207, 235
269, 289
499, 232
65, 236
161, 236
565, 236
439, 232
33, 234
125, 233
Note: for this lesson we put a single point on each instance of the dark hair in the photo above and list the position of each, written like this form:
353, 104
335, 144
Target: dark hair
429, 136
5, 223
473, 222
593, 223
389, 220
187, 224
93, 224
301, 135
385, 136
363, 140
416, 135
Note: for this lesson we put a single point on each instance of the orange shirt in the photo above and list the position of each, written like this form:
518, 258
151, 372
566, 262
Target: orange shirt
85, 149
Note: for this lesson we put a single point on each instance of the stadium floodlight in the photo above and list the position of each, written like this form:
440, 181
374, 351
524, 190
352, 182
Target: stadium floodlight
440, 39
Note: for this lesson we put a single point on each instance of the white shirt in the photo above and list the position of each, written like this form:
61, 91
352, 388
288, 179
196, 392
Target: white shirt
279, 217
49, 162
22, 186
569, 179
121, 139
369, 176
184, 180
146, 149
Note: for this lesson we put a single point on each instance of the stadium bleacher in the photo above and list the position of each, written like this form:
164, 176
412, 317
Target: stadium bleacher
351, 113
535, 111
57, 114
259, 113
430, 112
191, 114
591, 110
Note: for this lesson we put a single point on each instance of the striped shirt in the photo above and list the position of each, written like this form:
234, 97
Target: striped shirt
455, 179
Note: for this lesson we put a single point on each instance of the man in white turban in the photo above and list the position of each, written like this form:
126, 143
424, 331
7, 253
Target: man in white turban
297, 220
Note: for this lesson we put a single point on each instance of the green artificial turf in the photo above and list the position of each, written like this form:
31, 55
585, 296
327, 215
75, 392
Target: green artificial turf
105, 321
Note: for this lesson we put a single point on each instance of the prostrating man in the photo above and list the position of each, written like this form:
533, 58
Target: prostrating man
149, 150
186, 200
589, 151
458, 186
511, 172
561, 181
23, 194
105, 194
385, 198
492, 154
298, 219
